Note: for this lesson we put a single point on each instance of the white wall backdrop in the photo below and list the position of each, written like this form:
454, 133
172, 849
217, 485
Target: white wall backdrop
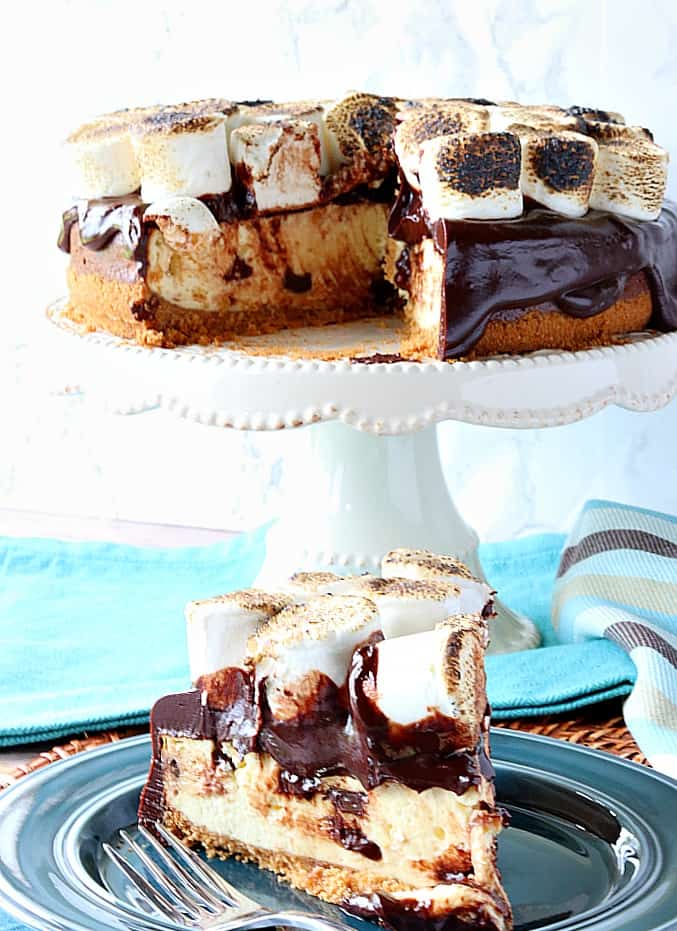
65, 60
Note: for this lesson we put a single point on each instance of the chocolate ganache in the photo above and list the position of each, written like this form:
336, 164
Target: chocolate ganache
122, 218
577, 266
340, 731
100, 221
415, 915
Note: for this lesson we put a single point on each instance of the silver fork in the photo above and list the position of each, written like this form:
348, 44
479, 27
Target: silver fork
192, 895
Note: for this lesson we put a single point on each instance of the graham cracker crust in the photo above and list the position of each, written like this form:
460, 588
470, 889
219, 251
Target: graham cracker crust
552, 329
133, 312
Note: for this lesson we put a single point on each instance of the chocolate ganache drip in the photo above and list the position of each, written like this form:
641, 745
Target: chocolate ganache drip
340, 731
101, 221
122, 219
577, 266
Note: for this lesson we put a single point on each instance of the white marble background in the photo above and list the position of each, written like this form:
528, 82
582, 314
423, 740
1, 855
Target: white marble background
65, 60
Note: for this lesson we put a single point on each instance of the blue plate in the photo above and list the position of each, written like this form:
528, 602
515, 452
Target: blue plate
592, 844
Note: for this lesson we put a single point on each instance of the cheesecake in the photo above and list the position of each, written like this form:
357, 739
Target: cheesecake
481, 227
337, 734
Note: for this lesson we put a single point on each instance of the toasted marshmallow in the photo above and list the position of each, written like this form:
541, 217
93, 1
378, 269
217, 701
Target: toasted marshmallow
306, 111
443, 118
422, 565
218, 628
545, 118
103, 160
182, 152
190, 215
304, 641
360, 130
408, 607
434, 672
612, 133
471, 176
302, 586
279, 162
632, 171
590, 113
558, 169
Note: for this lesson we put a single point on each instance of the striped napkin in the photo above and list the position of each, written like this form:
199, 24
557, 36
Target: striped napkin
617, 579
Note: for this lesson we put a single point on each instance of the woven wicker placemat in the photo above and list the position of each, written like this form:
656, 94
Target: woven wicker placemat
600, 727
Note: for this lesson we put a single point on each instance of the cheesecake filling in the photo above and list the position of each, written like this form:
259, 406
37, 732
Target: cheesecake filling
478, 270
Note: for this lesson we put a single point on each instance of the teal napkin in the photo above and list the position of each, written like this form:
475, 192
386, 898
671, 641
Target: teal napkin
92, 633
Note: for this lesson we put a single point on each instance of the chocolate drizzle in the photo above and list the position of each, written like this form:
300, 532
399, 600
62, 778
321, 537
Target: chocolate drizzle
299, 786
101, 221
346, 801
413, 914
122, 219
541, 259
352, 838
339, 732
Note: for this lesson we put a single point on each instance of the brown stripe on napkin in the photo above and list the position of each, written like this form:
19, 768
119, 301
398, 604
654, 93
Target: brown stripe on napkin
622, 539
632, 634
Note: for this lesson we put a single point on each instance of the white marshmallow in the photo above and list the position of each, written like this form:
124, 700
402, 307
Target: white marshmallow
218, 628
307, 111
280, 162
438, 671
188, 213
359, 130
408, 607
632, 172
103, 163
422, 565
437, 118
410, 680
471, 176
502, 116
182, 156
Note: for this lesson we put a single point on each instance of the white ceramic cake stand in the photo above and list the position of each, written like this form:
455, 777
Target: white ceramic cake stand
367, 476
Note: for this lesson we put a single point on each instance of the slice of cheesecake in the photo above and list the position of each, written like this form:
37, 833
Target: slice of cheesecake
345, 748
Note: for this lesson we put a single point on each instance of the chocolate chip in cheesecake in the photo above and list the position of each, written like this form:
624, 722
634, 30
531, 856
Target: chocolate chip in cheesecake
297, 283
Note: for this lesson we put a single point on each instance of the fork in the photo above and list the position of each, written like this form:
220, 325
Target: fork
193, 895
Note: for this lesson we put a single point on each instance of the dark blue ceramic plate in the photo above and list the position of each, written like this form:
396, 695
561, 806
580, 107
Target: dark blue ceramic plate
592, 844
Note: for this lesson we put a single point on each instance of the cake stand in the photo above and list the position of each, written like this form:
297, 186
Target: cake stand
366, 475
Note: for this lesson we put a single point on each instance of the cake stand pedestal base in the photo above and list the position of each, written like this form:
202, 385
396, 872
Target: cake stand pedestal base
352, 496
363, 461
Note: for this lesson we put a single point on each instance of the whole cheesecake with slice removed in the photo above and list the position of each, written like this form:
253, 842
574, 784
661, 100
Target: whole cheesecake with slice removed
476, 227
337, 734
